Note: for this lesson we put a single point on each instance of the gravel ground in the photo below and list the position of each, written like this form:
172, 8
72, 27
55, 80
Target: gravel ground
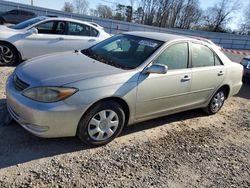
188, 149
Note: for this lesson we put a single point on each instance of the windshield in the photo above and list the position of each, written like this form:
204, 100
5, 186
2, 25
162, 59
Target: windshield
28, 23
123, 51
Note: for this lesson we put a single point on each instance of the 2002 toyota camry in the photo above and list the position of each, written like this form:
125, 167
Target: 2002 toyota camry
123, 80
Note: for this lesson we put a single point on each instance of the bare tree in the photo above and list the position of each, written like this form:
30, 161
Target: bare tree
245, 26
163, 12
103, 11
218, 16
190, 15
150, 11
81, 6
68, 7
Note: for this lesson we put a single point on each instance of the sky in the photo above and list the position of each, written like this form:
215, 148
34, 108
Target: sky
58, 4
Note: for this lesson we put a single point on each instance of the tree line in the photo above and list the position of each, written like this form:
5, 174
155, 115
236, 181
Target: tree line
184, 14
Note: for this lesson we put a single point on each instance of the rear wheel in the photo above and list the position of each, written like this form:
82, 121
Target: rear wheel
101, 124
1, 21
8, 54
216, 102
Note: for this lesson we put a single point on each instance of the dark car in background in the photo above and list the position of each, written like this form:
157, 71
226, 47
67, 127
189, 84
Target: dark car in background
15, 16
246, 64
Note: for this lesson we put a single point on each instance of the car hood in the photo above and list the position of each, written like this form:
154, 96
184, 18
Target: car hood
62, 68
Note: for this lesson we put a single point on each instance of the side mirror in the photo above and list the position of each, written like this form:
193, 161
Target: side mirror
33, 30
157, 69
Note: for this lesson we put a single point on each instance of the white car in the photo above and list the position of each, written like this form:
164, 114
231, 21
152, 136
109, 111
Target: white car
43, 35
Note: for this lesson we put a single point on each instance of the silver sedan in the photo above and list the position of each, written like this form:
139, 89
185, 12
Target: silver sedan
126, 79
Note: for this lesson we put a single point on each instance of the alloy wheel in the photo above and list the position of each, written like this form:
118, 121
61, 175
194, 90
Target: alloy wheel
217, 101
6, 55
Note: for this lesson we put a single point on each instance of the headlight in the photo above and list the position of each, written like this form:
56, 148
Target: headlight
49, 94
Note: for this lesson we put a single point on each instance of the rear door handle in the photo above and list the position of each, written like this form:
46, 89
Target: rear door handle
220, 73
91, 40
186, 78
60, 38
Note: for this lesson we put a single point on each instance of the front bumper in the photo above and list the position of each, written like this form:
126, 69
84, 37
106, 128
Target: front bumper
48, 120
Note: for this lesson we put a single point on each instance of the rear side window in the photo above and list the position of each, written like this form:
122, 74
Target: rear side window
202, 56
26, 13
175, 56
217, 61
93, 32
78, 29
12, 12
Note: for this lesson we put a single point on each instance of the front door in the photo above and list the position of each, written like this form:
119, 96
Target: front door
162, 93
49, 39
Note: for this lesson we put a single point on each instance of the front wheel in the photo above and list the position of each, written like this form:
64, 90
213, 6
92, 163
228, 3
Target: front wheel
216, 102
101, 124
8, 55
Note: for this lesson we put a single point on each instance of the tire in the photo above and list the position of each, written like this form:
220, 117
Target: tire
8, 54
2, 21
101, 124
216, 102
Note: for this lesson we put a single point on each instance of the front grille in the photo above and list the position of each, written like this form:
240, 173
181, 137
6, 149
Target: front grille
19, 84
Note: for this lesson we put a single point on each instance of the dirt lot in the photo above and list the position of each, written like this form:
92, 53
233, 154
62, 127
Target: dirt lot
189, 149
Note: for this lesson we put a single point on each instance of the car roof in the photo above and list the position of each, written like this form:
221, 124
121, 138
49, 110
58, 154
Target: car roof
200, 38
157, 35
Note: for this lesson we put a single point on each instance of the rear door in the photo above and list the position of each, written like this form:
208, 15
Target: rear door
208, 73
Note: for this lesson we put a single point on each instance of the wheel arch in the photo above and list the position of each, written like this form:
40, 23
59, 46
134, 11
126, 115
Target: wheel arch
119, 100
226, 88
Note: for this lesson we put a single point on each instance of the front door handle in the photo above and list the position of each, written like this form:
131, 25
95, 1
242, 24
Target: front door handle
91, 40
220, 73
60, 38
186, 78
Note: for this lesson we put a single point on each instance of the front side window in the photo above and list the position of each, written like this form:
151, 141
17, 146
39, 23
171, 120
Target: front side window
175, 56
46, 28
60, 28
123, 51
202, 56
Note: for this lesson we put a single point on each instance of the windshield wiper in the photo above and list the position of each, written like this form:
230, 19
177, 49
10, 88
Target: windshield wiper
103, 59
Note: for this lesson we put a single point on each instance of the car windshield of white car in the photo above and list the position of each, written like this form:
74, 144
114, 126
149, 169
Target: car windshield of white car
28, 23
123, 51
